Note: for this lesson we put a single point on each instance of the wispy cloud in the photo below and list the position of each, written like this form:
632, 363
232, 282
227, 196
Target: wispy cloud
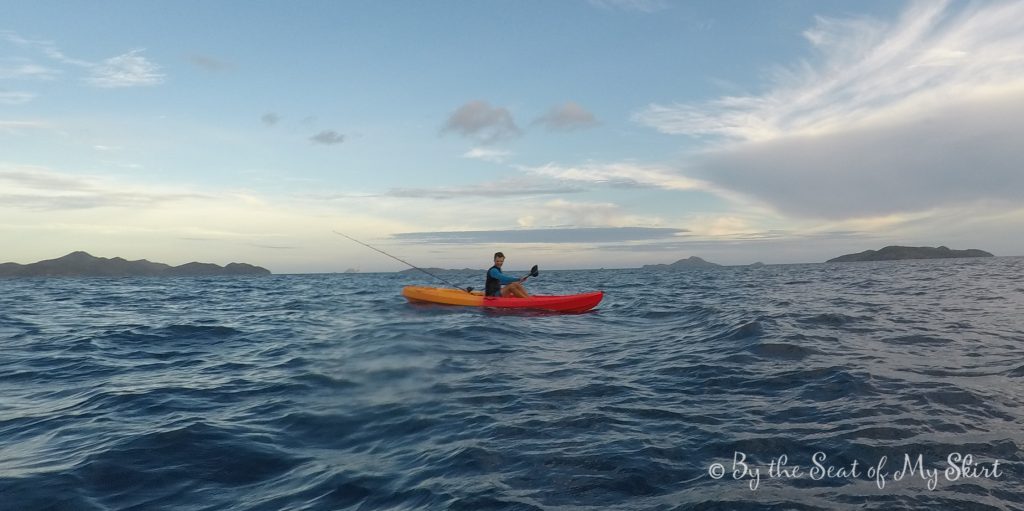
490, 190
15, 97
567, 117
20, 126
23, 69
869, 71
327, 137
128, 70
481, 121
487, 154
38, 188
47, 48
647, 6
559, 236
560, 212
891, 117
629, 175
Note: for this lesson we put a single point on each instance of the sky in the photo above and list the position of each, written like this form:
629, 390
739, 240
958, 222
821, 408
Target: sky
569, 134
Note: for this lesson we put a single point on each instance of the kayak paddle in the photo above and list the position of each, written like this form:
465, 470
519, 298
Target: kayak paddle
533, 273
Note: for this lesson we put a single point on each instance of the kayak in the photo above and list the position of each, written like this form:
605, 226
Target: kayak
559, 303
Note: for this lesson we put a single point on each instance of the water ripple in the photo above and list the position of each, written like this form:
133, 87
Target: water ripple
325, 392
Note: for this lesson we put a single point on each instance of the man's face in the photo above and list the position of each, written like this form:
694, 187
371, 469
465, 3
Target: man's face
498, 261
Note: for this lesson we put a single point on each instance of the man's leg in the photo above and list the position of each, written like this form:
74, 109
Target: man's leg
514, 289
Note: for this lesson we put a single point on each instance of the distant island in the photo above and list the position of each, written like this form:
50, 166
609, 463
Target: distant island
82, 264
898, 253
692, 262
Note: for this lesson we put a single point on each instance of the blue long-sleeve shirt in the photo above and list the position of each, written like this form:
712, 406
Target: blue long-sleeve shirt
504, 278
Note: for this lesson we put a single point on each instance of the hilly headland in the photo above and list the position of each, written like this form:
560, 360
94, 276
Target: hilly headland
900, 253
82, 264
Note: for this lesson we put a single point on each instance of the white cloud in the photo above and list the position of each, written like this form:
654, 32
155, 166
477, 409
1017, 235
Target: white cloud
15, 97
921, 113
26, 70
869, 71
128, 70
47, 48
46, 213
560, 213
634, 175
19, 126
571, 235
646, 6
962, 153
42, 189
487, 154
488, 190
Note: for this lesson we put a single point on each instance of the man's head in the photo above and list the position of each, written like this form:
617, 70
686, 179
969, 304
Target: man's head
499, 258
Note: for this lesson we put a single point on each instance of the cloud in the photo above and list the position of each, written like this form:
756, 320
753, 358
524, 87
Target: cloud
21, 69
868, 71
480, 121
41, 189
485, 191
646, 6
568, 235
270, 119
209, 63
560, 212
15, 97
485, 154
328, 137
626, 175
19, 126
962, 153
567, 117
910, 115
47, 48
128, 70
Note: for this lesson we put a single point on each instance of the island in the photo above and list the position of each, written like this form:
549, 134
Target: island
82, 264
899, 253
690, 263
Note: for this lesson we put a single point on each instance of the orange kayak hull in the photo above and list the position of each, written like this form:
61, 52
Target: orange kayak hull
559, 303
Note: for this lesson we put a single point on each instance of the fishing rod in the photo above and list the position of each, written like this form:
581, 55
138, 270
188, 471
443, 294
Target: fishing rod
468, 289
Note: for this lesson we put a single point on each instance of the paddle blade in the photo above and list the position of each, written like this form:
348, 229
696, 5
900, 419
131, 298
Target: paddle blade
534, 271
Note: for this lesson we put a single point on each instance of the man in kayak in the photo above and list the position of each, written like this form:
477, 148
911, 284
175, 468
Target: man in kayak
500, 284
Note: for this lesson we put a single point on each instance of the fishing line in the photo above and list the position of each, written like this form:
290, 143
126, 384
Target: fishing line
468, 289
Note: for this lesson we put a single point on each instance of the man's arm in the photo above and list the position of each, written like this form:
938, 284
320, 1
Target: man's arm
504, 279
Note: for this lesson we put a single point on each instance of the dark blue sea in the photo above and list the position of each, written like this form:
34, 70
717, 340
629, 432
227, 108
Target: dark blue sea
720, 389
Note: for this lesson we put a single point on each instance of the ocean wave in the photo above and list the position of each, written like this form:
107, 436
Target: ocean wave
328, 392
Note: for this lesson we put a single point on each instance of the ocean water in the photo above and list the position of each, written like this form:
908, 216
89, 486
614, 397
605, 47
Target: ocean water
327, 392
